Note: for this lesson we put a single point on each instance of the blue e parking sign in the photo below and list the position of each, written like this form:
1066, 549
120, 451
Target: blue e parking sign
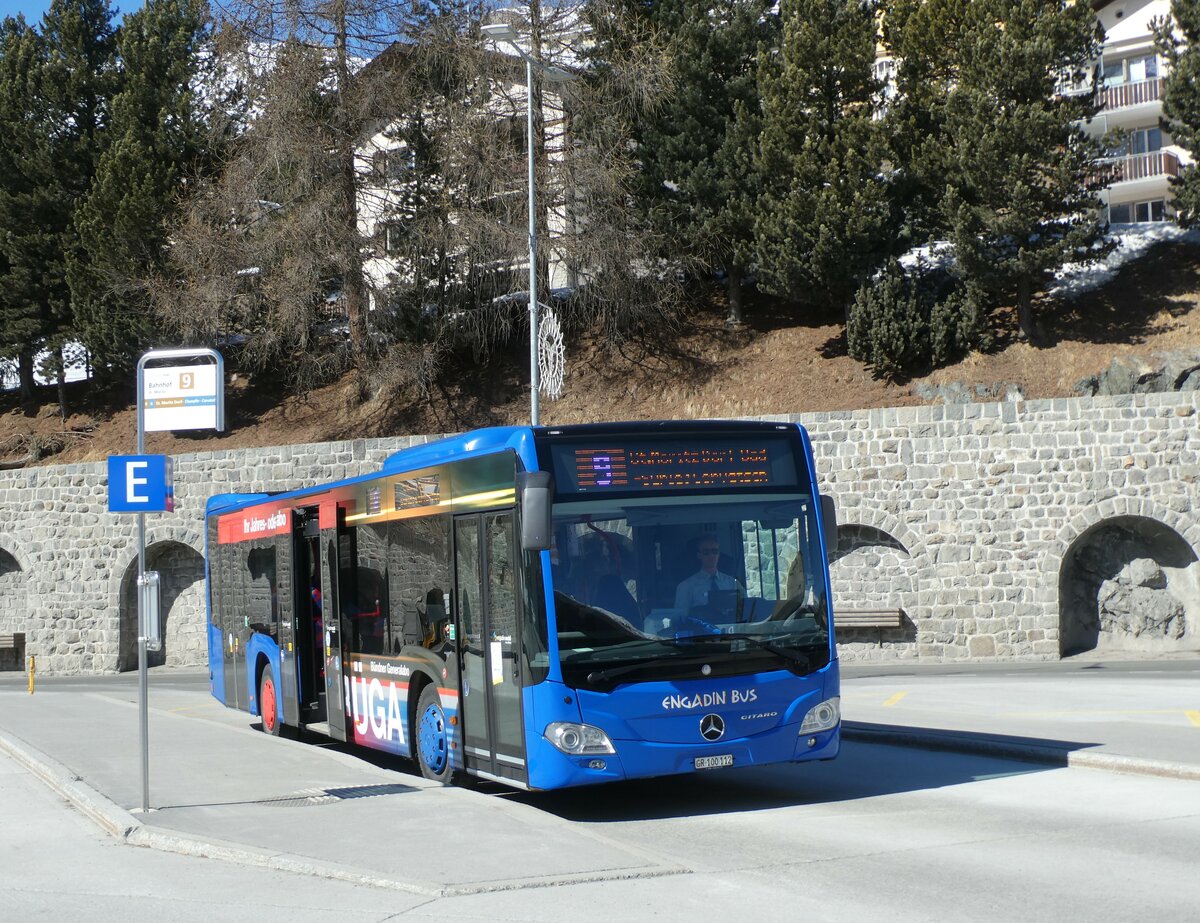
140, 484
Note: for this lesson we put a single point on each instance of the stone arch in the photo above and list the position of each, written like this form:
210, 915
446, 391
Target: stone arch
176, 553
886, 523
873, 569
14, 599
1129, 580
17, 552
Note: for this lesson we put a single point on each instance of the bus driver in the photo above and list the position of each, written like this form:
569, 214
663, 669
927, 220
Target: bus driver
702, 589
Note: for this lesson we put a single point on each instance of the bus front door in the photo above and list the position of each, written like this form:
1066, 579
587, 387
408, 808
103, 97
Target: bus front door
486, 555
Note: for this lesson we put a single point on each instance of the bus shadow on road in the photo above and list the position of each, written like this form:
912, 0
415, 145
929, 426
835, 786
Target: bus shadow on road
863, 770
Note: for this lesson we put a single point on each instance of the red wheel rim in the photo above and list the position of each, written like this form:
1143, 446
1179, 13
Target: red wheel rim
268, 704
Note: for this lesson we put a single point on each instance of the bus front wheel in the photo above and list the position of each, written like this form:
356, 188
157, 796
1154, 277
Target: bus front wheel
433, 743
268, 706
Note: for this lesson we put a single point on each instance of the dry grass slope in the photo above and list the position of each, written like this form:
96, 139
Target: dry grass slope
773, 365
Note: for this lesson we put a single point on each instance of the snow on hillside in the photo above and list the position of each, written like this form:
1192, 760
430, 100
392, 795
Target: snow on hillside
1133, 241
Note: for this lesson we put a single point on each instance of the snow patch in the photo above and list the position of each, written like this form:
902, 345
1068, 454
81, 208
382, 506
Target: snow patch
1133, 242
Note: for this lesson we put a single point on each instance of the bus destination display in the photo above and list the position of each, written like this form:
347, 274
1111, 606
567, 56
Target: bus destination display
676, 466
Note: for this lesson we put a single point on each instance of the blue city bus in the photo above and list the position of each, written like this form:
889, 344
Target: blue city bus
541, 606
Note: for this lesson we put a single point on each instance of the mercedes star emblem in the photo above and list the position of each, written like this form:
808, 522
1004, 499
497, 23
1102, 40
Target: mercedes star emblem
712, 727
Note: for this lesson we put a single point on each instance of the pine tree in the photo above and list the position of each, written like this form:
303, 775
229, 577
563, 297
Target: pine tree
154, 138
78, 80
1005, 157
28, 201
697, 180
823, 216
1181, 99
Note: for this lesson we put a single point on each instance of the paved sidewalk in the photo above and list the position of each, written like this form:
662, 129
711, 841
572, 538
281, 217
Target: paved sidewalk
1141, 716
220, 788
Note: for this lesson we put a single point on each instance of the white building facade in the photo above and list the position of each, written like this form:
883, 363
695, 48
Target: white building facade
1131, 78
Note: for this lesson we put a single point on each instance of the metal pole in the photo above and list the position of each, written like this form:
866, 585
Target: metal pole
143, 705
534, 376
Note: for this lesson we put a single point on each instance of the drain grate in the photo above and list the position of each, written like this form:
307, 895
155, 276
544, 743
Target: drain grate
313, 797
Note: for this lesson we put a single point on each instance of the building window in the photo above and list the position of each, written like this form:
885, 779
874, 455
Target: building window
1144, 68
1137, 212
1130, 70
393, 237
1139, 141
1149, 211
1145, 140
400, 162
393, 165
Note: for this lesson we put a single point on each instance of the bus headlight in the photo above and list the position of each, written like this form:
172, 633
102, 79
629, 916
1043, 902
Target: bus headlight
822, 717
578, 739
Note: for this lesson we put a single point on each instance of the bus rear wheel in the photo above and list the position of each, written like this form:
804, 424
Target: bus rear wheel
268, 704
433, 739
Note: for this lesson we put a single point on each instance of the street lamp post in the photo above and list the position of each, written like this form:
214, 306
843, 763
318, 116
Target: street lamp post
503, 32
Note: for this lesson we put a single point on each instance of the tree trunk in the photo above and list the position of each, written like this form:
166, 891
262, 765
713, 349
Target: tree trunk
733, 280
1025, 319
25, 374
353, 284
62, 385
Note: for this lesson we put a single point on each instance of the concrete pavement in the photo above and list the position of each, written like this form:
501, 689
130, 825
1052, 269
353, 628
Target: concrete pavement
220, 788
1132, 716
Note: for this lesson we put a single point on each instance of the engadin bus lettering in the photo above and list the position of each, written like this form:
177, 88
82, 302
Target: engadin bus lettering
507, 603
710, 699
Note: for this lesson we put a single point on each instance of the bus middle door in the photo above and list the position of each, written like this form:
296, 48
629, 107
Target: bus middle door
486, 555
333, 536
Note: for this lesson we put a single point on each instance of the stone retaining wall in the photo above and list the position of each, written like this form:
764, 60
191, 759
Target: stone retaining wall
969, 518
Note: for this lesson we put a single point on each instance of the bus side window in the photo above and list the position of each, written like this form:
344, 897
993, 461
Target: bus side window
418, 558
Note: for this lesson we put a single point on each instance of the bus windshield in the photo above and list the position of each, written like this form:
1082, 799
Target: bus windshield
672, 587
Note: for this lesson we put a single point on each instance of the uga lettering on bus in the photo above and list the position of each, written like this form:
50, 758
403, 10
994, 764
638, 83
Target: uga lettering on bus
378, 709
710, 699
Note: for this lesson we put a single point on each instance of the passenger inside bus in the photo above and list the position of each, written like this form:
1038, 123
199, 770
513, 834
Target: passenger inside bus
318, 621
596, 577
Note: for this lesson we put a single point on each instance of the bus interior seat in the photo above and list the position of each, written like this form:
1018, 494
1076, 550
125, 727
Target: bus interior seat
613, 595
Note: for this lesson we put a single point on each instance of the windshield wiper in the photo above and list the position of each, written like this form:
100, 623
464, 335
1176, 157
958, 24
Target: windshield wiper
797, 654
600, 676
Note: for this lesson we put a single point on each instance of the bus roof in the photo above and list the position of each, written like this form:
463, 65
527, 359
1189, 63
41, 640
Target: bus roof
520, 439
465, 445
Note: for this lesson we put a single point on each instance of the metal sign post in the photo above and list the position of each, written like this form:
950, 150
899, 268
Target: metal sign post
170, 397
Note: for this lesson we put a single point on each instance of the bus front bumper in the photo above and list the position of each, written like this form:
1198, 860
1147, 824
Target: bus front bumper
643, 759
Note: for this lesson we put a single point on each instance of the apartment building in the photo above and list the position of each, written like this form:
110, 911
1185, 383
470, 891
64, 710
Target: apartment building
386, 166
1131, 75
1130, 78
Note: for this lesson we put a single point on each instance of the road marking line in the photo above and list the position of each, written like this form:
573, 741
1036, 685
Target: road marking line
894, 699
1194, 717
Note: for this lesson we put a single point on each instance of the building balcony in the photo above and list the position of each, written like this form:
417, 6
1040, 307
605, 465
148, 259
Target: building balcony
1128, 95
1144, 166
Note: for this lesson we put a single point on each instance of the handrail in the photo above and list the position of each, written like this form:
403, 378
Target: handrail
1125, 95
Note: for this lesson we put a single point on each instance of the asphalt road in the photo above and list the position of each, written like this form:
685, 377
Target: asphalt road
882, 832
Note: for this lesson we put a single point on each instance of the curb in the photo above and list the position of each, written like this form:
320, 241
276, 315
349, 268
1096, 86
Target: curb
123, 825
112, 818
1015, 748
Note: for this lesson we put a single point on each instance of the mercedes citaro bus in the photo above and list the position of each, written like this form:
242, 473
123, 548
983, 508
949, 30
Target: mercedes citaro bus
541, 606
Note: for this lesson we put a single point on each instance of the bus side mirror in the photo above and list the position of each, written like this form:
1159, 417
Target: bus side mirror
535, 489
829, 523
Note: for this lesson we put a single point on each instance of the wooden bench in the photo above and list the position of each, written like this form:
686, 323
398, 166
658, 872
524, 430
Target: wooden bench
868, 618
15, 643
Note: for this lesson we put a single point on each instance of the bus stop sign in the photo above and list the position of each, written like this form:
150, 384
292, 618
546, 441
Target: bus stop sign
141, 484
